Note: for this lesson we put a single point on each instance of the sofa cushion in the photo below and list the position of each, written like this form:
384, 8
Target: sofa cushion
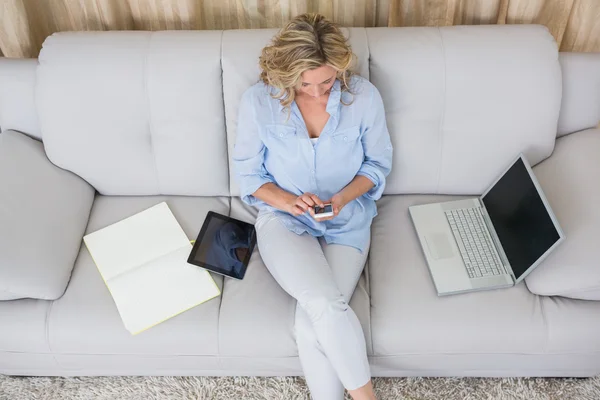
408, 317
456, 97
85, 321
23, 341
500, 332
572, 328
17, 107
265, 313
571, 181
136, 113
580, 105
23, 325
43, 214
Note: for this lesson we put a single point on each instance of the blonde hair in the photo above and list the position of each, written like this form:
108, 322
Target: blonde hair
307, 42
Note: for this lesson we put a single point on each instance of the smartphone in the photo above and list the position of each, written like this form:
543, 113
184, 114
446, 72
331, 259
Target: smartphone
323, 212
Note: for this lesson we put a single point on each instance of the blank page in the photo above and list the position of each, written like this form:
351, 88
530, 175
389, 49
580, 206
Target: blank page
161, 289
135, 241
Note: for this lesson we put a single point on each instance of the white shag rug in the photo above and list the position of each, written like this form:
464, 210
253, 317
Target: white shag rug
253, 388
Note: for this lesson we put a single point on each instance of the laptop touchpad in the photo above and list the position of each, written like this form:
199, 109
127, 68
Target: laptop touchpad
439, 246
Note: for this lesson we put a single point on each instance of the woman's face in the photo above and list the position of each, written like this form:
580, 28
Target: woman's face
316, 82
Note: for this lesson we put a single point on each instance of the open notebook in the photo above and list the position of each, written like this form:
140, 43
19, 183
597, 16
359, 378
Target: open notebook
143, 260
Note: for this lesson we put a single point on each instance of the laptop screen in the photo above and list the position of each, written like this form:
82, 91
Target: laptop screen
522, 222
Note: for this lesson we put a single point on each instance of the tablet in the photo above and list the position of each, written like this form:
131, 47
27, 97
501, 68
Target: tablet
224, 245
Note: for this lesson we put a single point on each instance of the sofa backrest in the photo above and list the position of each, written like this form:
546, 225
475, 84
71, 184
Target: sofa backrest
155, 113
136, 113
462, 102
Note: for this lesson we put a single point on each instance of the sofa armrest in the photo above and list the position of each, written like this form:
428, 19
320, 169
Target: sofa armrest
580, 106
17, 99
570, 181
43, 215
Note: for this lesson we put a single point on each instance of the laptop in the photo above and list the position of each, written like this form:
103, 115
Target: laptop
492, 241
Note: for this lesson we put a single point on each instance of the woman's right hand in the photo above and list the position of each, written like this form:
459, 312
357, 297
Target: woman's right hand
303, 203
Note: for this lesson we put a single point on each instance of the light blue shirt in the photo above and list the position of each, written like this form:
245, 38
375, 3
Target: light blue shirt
271, 147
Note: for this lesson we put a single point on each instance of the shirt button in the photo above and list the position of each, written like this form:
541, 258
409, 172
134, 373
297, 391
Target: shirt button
281, 135
345, 138
312, 172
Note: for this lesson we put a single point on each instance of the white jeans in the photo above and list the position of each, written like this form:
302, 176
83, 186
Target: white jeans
322, 278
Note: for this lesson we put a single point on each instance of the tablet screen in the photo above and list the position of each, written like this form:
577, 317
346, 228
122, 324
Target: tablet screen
224, 245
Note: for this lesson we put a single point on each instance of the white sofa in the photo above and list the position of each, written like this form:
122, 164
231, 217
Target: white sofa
106, 124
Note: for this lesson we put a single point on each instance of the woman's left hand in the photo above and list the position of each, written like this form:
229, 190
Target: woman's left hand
338, 202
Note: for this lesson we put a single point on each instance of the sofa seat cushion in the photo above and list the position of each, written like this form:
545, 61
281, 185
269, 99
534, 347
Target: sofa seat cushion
407, 315
85, 321
571, 181
23, 343
414, 328
265, 313
23, 325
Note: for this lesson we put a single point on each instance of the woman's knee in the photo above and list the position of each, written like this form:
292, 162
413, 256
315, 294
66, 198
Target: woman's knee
321, 306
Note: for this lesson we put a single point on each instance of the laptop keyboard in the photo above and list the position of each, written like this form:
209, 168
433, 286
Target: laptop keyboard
474, 243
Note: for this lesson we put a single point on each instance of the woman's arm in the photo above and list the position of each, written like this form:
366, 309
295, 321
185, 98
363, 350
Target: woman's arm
275, 196
359, 186
249, 151
356, 188
283, 200
377, 164
377, 147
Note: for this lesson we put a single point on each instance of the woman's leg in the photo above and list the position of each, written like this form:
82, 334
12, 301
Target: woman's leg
347, 264
321, 378
299, 265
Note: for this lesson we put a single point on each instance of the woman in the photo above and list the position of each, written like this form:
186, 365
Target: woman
309, 133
